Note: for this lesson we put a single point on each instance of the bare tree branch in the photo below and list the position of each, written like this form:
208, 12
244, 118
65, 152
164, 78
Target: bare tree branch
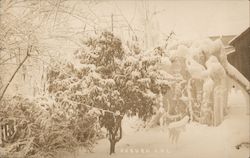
20, 65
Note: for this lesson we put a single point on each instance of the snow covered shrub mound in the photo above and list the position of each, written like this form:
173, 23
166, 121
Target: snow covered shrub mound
41, 128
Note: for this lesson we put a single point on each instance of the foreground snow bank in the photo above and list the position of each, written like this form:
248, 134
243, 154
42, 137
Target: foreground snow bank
198, 141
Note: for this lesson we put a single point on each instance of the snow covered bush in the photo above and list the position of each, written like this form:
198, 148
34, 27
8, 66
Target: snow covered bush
110, 79
41, 128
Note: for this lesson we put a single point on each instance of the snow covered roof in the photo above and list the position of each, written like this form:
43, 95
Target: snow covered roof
224, 38
236, 38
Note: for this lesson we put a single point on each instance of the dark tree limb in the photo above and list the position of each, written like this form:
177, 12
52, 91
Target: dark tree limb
169, 36
14, 74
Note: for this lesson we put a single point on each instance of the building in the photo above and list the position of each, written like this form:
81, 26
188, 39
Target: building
240, 57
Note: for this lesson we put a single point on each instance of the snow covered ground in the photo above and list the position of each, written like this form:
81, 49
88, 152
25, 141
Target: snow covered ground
197, 141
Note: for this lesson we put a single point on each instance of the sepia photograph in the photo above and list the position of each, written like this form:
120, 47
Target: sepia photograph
124, 78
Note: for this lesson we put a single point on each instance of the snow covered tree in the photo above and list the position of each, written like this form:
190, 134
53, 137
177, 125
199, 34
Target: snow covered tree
110, 81
205, 68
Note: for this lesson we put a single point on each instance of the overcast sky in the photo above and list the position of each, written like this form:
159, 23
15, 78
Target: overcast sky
189, 18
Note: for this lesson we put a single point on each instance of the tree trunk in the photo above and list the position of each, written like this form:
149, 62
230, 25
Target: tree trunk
112, 146
218, 107
115, 135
